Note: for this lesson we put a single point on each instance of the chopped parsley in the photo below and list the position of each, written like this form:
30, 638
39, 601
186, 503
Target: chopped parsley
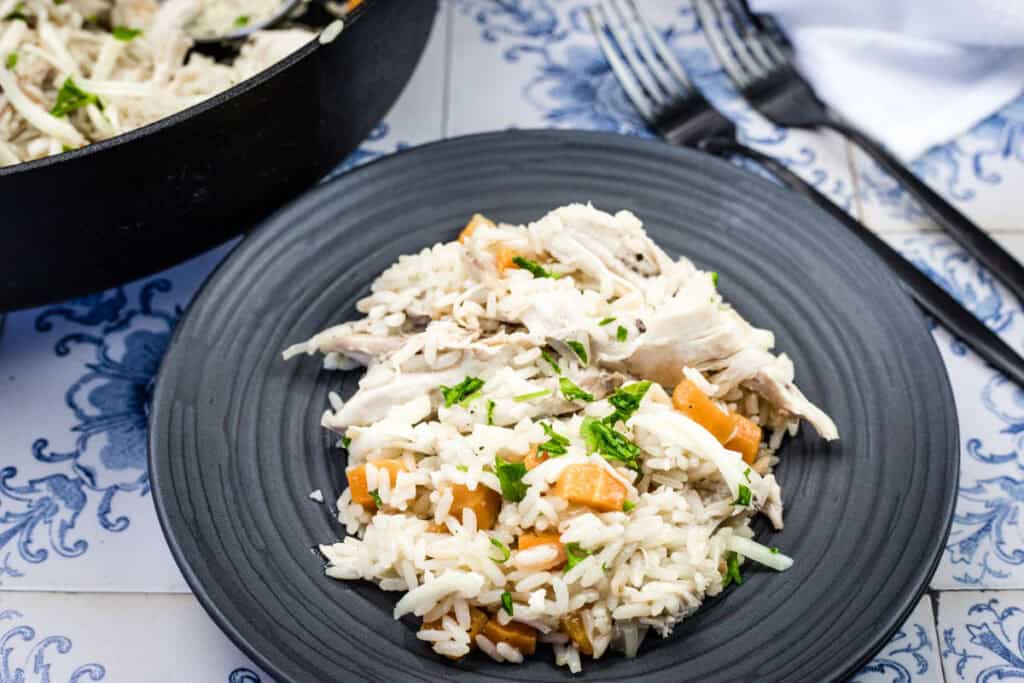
606, 321
551, 361
773, 550
462, 468
17, 14
621, 333
556, 443
490, 412
626, 400
529, 397
505, 552
346, 442
125, 34
12, 60
506, 602
628, 506
461, 392
572, 392
533, 268
71, 98
746, 474
510, 476
241, 20
579, 349
376, 498
575, 555
66, 148
743, 497
612, 445
714, 278
732, 570
604, 566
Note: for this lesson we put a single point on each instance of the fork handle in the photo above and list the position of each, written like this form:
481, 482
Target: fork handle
928, 295
976, 241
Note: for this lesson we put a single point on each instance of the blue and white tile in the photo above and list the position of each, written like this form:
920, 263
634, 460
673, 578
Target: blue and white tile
980, 172
75, 386
911, 656
981, 635
535, 63
986, 543
51, 637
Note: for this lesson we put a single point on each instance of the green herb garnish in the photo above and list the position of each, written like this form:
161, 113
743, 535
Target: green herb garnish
621, 333
579, 350
346, 442
462, 468
376, 498
743, 497
626, 400
556, 443
606, 321
612, 445
572, 392
732, 571
551, 361
534, 268
71, 98
17, 14
66, 148
506, 602
241, 20
462, 391
746, 474
773, 551
506, 553
529, 397
510, 476
12, 60
714, 278
490, 412
628, 506
125, 34
575, 555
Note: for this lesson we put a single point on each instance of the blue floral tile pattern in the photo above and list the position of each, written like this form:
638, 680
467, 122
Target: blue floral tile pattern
982, 635
29, 657
912, 656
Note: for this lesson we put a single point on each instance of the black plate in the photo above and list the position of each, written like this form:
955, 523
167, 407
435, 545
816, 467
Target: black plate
140, 202
236, 444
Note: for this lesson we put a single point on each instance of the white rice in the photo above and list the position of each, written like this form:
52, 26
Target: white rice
644, 567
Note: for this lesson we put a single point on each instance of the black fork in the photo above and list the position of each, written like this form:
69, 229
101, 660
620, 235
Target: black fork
754, 55
657, 85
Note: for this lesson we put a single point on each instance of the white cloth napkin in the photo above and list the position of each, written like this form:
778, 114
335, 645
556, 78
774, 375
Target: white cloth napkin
913, 73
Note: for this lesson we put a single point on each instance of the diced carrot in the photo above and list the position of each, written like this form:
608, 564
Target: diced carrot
746, 439
357, 480
477, 620
590, 485
692, 402
527, 541
504, 258
732, 430
533, 458
519, 636
572, 624
484, 502
475, 222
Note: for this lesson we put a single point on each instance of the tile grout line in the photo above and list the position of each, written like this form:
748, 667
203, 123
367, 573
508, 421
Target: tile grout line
446, 82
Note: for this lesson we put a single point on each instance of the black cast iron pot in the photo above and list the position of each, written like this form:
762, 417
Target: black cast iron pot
140, 202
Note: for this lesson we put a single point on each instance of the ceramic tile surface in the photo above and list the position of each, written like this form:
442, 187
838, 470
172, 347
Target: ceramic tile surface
83, 566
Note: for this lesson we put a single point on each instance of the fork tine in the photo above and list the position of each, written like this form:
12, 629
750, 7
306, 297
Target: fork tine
636, 34
663, 50
627, 48
763, 47
720, 33
625, 77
